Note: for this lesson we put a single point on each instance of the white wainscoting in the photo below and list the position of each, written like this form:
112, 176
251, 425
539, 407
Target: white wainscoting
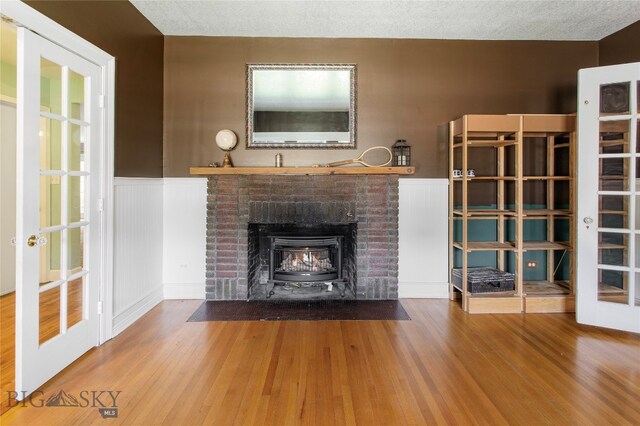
423, 239
185, 229
423, 233
138, 242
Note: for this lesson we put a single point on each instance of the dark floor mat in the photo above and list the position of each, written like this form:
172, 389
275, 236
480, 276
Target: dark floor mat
328, 310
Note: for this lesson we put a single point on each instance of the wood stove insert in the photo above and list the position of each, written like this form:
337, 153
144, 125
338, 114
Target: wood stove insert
309, 261
306, 261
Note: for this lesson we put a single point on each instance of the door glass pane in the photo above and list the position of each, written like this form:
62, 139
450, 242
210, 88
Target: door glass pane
49, 324
613, 286
75, 252
50, 144
50, 201
76, 95
614, 211
614, 137
76, 148
49, 250
75, 292
613, 248
50, 87
614, 98
75, 204
614, 174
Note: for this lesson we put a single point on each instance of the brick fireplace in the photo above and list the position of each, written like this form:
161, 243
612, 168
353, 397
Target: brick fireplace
237, 205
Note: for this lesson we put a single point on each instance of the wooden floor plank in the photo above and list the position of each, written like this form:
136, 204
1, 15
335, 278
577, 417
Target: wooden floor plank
442, 367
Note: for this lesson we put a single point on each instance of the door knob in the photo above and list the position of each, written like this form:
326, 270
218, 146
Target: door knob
588, 220
36, 241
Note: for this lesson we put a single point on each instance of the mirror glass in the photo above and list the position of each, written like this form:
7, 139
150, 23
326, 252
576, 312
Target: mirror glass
301, 106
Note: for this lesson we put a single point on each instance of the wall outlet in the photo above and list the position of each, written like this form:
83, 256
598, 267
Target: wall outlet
532, 264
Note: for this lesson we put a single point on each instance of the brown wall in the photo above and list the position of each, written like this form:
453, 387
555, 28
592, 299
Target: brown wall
406, 89
119, 29
621, 47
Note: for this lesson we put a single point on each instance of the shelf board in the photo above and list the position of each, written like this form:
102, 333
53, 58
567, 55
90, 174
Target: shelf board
545, 245
604, 288
610, 246
613, 177
614, 212
486, 246
485, 212
534, 125
353, 170
534, 213
479, 124
561, 145
546, 178
541, 288
486, 178
526, 245
614, 126
496, 217
486, 143
548, 124
611, 293
613, 142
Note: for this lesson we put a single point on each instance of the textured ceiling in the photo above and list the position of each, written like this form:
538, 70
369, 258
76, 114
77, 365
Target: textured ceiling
455, 19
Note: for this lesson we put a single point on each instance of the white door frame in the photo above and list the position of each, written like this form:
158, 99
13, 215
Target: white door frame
56, 33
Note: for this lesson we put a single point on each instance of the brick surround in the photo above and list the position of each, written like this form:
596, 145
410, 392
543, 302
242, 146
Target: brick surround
235, 201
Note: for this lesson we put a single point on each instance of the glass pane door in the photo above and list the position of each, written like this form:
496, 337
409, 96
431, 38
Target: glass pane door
609, 197
58, 222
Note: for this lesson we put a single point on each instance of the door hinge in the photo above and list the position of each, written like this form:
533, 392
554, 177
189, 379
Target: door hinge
100, 204
101, 101
100, 307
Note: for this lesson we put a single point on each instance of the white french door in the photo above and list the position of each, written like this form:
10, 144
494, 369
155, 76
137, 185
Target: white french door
58, 223
609, 197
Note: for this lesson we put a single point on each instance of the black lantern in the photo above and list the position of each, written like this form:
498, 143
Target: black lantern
401, 153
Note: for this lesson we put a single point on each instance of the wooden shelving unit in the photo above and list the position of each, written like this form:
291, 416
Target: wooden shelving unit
505, 215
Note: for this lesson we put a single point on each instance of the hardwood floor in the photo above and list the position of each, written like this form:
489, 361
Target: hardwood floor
443, 367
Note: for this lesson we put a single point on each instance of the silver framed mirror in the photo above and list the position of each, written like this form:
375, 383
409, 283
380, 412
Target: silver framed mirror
298, 106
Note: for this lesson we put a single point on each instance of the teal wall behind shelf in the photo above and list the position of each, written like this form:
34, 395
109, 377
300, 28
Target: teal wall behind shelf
533, 230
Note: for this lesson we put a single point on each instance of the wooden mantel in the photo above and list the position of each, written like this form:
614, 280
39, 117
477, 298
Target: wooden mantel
351, 170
